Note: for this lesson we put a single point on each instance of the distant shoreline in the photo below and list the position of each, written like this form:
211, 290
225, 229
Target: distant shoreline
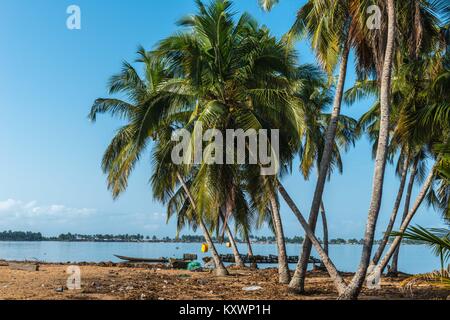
28, 236
183, 242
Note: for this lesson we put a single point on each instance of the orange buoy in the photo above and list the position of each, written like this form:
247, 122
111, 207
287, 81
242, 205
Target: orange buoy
205, 248
228, 244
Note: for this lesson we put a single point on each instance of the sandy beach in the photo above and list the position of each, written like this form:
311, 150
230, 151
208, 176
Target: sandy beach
109, 281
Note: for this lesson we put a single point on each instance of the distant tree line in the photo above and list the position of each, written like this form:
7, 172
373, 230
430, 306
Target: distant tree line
21, 236
69, 237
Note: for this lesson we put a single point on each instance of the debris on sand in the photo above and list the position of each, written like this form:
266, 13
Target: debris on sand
123, 282
252, 288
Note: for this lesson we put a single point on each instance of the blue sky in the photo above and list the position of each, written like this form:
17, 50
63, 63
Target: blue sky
50, 176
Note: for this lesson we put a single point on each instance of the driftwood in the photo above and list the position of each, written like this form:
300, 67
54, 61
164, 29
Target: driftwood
23, 266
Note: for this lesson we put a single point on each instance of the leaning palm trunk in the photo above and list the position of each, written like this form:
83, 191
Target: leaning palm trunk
355, 287
251, 256
325, 227
298, 280
283, 267
331, 268
394, 269
220, 268
420, 197
237, 255
390, 226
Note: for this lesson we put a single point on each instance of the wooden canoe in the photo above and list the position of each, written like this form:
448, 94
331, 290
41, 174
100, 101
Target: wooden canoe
143, 260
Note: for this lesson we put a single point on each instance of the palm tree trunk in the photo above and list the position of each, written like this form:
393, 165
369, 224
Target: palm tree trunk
325, 228
420, 197
237, 255
283, 266
394, 269
331, 268
251, 256
220, 268
390, 226
354, 288
298, 281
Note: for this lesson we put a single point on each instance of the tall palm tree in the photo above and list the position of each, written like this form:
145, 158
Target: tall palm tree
429, 123
409, 95
370, 123
355, 286
336, 277
311, 151
418, 164
144, 98
412, 90
383, 57
237, 256
241, 78
393, 217
393, 247
328, 25
373, 49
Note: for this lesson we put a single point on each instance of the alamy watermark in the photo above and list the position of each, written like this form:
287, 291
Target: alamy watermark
73, 22
74, 279
237, 147
373, 279
374, 20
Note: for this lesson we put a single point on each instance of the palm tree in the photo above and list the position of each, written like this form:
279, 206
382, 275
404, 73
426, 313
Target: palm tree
419, 159
437, 239
285, 275
237, 256
311, 152
127, 146
429, 123
241, 78
396, 242
409, 95
328, 26
440, 199
335, 276
375, 54
245, 217
383, 52
220, 268
393, 217
354, 288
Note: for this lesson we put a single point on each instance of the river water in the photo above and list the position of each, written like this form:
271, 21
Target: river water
413, 258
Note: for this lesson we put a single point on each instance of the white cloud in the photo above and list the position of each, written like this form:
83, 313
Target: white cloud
8, 205
53, 219
22, 210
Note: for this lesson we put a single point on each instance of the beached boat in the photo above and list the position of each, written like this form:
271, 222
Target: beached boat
228, 258
187, 257
143, 260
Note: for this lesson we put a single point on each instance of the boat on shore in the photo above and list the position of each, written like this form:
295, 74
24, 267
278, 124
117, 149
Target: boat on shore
228, 258
142, 260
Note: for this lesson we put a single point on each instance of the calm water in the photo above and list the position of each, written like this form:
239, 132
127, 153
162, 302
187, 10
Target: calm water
413, 259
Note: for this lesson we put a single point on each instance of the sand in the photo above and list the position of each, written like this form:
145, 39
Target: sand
128, 282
